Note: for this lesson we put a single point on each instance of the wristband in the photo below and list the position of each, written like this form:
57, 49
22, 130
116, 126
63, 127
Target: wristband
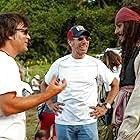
107, 105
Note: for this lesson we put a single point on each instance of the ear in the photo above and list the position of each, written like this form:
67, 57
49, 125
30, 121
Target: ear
10, 37
70, 42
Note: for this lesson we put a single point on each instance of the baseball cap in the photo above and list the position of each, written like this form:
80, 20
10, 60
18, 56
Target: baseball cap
76, 31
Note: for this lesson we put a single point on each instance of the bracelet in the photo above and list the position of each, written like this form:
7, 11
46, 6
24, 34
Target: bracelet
107, 105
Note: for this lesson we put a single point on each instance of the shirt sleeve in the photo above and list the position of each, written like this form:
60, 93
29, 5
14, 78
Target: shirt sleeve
9, 76
53, 70
105, 73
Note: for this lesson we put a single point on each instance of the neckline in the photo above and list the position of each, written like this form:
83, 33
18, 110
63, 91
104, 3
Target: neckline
5, 52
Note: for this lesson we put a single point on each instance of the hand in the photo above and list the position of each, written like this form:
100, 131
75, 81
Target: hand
56, 107
54, 87
98, 111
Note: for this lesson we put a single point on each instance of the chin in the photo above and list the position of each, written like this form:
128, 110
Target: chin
121, 39
26, 49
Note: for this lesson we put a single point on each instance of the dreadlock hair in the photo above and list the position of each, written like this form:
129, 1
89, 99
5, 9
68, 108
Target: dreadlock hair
132, 35
111, 59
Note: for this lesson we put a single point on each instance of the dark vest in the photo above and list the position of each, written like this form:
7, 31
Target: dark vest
127, 75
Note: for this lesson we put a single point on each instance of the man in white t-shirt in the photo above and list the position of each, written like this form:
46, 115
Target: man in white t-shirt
14, 39
76, 108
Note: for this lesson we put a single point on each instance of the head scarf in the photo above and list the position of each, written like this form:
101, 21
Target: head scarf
126, 14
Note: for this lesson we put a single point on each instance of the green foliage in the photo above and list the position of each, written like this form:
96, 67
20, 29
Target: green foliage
100, 22
32, 123
37, 69
51, 19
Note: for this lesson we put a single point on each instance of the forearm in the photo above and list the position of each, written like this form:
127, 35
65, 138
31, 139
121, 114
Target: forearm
113, 92
10, 104
43, 87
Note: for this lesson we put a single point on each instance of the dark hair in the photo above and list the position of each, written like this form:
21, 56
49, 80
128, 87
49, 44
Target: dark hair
41, 133
111, 59
132, 35
8, 25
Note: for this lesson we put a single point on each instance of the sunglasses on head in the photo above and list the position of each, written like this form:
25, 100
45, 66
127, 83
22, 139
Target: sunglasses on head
82, 38
25, 31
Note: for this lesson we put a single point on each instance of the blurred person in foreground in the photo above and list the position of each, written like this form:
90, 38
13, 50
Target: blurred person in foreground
127, 111
14, 39
76, 108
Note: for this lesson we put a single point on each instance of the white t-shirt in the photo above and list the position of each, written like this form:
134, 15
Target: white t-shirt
35, 84
26, 89
11, 127
116, 72
81, 90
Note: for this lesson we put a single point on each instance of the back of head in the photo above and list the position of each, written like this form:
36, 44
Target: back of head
111, 59
8, 25
41, 135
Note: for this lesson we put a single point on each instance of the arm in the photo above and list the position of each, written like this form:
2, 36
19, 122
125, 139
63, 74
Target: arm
43, 86
113, 92
55, 107
11, 104
101, 110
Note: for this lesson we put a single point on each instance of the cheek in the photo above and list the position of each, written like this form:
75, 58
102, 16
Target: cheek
121, 30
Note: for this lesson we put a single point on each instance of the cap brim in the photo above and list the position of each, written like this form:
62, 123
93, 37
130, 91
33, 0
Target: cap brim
86, 33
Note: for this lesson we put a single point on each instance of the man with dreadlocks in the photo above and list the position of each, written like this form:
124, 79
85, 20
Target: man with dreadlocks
126, 115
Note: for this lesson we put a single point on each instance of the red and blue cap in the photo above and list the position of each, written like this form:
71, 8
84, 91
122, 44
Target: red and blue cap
76, 31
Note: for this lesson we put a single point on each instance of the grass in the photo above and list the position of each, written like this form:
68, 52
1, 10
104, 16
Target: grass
31, 123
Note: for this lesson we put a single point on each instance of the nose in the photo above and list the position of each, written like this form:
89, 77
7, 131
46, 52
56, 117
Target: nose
28, 36
116, 30
84, 39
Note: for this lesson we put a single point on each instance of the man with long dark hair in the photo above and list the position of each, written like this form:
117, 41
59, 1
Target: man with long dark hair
127, 110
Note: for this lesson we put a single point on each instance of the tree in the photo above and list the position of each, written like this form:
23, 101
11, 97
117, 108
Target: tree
51, 19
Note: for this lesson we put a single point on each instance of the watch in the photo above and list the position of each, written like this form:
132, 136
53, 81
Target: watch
107, 105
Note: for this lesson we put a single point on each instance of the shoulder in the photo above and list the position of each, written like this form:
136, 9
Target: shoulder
93, 59
64, 58
4, 58
61, 60
96, 62
137, 61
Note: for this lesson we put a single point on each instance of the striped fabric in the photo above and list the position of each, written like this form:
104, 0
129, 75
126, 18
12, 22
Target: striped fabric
120, 105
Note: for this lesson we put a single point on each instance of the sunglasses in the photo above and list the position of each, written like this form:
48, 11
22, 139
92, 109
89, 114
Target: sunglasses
25, 31
82, 38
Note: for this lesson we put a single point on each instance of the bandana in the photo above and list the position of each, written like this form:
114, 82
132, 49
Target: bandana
126, 14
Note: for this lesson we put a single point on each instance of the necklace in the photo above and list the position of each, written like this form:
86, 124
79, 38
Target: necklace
4, 52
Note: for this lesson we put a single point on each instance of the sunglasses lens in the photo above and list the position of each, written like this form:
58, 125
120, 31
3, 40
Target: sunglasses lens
25, 31
82, 38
